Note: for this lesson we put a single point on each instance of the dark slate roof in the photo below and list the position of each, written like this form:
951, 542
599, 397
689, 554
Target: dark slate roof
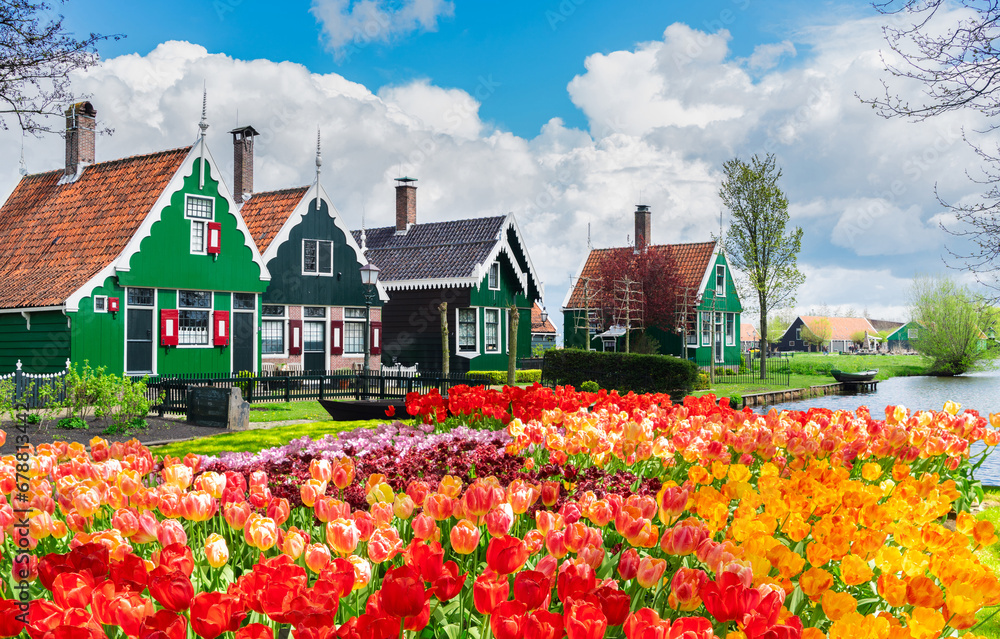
435, 250
55, 236
885, 325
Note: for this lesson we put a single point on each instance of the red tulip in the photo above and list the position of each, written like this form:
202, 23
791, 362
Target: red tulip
584, 620
256, 631
488, 593
171, 589
10, 625
646, 624
531, 587
213, 613
402, 593
542, 624
171, 624
449, 583
130, 573
508, 620
614, 604
177, 557
506, 555
628, 565
575, 581
73, 589
130, 612
727, 599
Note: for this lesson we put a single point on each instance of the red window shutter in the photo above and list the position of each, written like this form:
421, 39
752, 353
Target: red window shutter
294, 337
336, 338
168, 327
214, 244
376, 338
220, 324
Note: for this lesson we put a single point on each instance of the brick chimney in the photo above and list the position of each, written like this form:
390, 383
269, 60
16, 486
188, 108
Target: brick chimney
81, 124
243, 162
642, 216
406, 204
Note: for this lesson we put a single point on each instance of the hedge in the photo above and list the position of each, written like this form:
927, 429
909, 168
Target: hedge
621, 371
527, 376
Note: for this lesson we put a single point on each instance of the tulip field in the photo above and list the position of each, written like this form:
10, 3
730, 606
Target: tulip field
517, 514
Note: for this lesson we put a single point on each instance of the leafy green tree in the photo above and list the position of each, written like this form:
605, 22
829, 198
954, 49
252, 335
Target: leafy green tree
951, 317
819, 334
757, 243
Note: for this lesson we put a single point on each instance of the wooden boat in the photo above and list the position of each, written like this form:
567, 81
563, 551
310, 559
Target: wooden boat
854, 378
348, 411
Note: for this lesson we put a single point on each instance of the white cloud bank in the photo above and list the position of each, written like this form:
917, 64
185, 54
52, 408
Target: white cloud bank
663, 118
349, 23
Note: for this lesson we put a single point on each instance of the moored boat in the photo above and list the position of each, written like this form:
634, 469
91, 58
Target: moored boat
854, 378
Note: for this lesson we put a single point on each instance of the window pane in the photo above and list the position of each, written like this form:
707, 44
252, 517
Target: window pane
467, 329
326, 257
100, 302
706, 329
273, 337
243, 301
492, 330
199, 207
194, 299
315, 311
495, 275
355, 313
354, 337
197, 237
140, 297
308, 256
312, 336
274, 311
193, 328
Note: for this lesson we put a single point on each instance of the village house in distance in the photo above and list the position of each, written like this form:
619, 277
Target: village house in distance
480, 267
704, 272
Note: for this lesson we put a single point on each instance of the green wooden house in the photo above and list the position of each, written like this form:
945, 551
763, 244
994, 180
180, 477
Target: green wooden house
704, 272
142, 265
479, 267
314, 309
904, 338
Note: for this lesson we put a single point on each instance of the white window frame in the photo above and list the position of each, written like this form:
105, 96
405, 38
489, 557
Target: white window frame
798, 333
912, 333
458, 330
317, 272
103, 298
494, 267
730, 329
706, 333
155, 307
283, 318
720, 290
200, 221
486, 348
343, 336
210, 326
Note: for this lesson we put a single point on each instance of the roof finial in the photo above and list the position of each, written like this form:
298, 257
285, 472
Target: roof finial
590, 245
364, 247
319, 163
23, 170
203, 125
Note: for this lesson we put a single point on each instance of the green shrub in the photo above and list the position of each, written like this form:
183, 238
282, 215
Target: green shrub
735, 401
246, 386
645, 344
703, 382
621, 371
130, 428
590, 386
72, 423
499, 378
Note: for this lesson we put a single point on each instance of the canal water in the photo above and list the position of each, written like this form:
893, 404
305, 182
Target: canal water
980, 391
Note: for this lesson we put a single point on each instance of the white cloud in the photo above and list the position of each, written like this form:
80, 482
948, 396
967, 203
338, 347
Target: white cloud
663, 117
766, 56
357, 23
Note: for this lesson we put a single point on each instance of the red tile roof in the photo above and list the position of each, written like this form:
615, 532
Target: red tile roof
692, 261
53, 238
265, 213
537, 325
841, 328
749, 333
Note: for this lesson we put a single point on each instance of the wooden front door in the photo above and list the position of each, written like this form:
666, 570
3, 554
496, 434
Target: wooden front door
314, 346
139, 341
242, 333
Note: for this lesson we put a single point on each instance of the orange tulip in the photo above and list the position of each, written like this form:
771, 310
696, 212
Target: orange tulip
500, 520
838, 604
294, 544
343, 472
922, 591
450, 486
321, 470
171, 531
521, 496
854, 570
384, 544
236, 514
439, 506
213, 483
343, 536
814, 582
261, 532
424, 527
179, 475
464, 537
317, 557
311, 491
550, 492
650, 571
403, 506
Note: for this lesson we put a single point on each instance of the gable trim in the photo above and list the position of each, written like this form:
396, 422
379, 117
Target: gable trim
576, 281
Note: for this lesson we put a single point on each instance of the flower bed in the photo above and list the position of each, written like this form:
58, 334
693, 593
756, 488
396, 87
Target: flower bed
590, 515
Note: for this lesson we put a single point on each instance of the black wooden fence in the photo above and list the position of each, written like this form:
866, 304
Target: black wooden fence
34, 390
745, 369
311, 385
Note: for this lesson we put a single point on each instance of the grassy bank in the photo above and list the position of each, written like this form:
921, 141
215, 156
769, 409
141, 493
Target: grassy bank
252, 441
287, 410
887, 365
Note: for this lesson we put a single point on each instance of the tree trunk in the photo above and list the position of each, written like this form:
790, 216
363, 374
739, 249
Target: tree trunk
512, 347
763, 336
446, 357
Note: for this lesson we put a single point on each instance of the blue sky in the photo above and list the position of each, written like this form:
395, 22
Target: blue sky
529, 49
561, 112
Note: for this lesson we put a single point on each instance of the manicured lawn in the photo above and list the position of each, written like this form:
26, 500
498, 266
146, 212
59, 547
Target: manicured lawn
887, 365
287, 410
255, 440
722, 389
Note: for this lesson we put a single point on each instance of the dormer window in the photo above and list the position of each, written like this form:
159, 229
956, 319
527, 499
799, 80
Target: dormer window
201, 211
494, 279
317, 257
